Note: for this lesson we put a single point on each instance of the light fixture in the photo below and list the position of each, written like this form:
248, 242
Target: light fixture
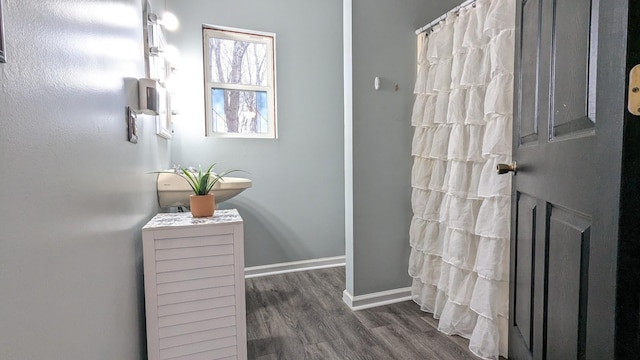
168, 20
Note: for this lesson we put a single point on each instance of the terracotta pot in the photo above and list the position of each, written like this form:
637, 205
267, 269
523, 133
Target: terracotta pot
202, 205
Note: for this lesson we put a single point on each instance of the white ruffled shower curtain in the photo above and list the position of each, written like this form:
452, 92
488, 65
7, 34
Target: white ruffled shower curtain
460, 229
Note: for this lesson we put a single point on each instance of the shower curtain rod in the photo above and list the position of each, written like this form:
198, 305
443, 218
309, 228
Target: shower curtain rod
444, 16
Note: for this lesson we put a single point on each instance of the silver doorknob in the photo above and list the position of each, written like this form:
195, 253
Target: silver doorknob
505, 168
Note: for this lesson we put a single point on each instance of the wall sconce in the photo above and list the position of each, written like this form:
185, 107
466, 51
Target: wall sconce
168, 20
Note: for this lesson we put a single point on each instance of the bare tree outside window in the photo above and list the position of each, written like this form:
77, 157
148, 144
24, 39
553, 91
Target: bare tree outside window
240, 83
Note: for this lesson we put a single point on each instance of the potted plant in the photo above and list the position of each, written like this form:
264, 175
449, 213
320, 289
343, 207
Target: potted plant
202, 203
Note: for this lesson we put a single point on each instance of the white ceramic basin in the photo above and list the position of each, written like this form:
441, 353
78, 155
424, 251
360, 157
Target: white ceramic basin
174, 190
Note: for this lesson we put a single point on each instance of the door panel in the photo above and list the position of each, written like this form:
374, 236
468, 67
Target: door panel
529, 74
567, 188
570, 67
524, 270
567, 271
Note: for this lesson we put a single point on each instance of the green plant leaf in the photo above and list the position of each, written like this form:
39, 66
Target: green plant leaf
218, 177
191, 180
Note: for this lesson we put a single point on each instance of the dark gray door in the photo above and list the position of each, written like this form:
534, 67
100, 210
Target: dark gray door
568, 145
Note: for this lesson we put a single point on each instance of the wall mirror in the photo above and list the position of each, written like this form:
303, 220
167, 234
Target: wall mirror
3, 54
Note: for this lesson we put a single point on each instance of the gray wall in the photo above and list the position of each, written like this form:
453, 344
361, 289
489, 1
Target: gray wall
295, 210
384, 45
74, 193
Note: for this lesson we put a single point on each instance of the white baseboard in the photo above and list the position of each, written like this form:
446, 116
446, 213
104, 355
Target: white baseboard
367, 301
304, 265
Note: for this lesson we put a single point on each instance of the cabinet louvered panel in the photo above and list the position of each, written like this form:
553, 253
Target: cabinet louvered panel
194, 252
195, 241
194, 316
180, 308
228, 353
195, 295
198, 347
194, 287
197, 326
189, 285
193, 274
194, 263
197, 337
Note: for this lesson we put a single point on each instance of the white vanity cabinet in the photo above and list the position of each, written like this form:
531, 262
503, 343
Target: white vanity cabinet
194, 286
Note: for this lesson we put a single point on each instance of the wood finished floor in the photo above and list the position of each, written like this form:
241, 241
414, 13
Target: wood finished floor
302, 316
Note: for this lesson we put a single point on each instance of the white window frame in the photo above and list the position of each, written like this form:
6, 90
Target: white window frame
220, 32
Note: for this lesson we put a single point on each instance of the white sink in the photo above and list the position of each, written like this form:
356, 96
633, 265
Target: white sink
174, 190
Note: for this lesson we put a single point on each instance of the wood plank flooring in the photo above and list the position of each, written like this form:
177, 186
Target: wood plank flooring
302, 316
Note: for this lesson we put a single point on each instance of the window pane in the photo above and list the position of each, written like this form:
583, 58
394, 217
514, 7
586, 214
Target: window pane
240, 112
238, 62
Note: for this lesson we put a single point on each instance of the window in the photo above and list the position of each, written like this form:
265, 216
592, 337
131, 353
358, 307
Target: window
239, 83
